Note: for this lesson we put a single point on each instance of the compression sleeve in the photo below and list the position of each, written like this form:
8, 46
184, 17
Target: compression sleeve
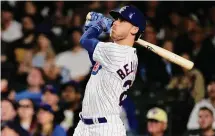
89, 40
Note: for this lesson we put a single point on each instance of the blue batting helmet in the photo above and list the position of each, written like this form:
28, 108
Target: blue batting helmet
132, 15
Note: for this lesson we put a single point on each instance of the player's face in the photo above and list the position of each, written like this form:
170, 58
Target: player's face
205, 119
120, 29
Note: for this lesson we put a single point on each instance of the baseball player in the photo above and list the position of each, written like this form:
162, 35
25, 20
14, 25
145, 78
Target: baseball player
115, 66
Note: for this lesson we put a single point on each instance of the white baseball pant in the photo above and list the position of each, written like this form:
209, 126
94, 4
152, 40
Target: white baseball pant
113, 127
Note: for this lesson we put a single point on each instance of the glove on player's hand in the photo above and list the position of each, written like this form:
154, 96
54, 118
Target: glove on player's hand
92, 18
97, 20
105, 23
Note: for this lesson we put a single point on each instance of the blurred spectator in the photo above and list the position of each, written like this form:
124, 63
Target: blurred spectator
50, 97
173, 28
31, 9
35, 81
23, 47
150, 34
5, 88
26, 115
210, 22
29, 37
76, 21
43, 51
8, 68
56, 75
77, 54
189, 80
167, 69
24, 66
12, 129
183, 42
201, 52
4, 85
95, 6
153, 61
157, 122
191, 22
205, 121
154, 13
71, 102
8, 111
46, 125
108, 6
59, 13
11, 29
209, 102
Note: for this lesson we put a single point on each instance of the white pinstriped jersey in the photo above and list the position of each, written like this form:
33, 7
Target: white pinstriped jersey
113, 73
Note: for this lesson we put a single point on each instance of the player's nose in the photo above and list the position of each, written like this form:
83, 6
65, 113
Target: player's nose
116, 22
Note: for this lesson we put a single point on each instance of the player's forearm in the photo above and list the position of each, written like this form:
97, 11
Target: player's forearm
89, 39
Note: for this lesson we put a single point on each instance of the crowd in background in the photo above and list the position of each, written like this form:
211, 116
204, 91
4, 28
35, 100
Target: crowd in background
44, 69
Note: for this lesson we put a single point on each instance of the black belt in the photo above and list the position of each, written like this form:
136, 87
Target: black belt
93, 121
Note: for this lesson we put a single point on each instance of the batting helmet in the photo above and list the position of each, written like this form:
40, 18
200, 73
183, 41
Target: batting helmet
132, 15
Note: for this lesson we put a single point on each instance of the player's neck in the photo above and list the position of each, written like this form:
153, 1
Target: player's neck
127, 42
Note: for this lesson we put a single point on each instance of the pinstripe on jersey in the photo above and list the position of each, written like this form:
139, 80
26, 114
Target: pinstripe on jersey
106, 84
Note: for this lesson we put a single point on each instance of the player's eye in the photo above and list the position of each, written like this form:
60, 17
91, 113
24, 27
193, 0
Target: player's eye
121, 19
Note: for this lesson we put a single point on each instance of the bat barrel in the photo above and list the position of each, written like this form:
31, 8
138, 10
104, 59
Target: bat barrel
167, 54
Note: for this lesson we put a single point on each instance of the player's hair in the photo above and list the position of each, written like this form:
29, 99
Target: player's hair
206, 109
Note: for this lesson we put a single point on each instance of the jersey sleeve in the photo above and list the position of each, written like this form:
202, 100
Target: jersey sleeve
110, 55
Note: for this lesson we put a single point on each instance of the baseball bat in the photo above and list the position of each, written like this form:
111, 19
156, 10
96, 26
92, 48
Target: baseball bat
162, 52
167, 54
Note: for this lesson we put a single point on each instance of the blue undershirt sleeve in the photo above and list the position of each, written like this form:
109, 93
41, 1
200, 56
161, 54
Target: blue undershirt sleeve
89, 40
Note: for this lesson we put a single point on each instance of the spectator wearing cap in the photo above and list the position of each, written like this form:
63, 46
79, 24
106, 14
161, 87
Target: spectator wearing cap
26, 115
11, 29
71, 103
8, 111
50, 96
12, 129
46, 125
35, 80
157, 122
78, 71
205, 121
208, 102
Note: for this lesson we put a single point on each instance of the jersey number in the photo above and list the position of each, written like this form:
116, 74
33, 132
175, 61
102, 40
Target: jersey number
125, 93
